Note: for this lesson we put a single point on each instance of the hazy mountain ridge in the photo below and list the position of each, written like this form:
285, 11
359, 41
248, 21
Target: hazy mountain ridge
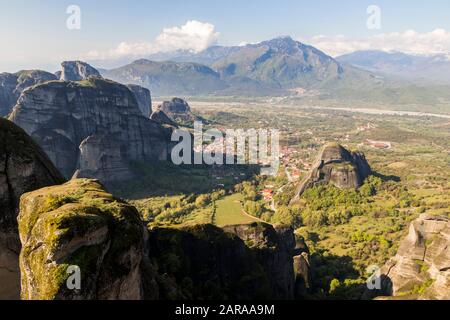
168, 78
418, 69
206, 57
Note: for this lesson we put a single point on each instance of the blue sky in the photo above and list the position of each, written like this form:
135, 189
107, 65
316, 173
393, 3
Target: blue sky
34, 33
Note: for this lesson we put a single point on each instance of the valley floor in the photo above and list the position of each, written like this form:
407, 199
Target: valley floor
410, 154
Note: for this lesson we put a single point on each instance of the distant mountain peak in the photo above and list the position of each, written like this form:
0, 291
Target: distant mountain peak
285, 43
142, 61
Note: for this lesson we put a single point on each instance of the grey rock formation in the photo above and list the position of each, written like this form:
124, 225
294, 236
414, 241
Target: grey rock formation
302, 268
179, 111
421, 268
275, 248
24, 167
8, 83
239, 262
175, 106
160, 117
337, 166
100, 156
12, 85
78, 225
93, 128
302, 271
143, 97
77, 71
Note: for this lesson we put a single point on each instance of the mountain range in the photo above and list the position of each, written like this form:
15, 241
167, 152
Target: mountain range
289, 68
279, 67
276, 67
418, 69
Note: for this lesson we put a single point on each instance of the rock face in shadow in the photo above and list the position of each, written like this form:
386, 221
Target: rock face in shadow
337, 166
421, 268
160, 117
238, 262
13, 84
143, 97
79, 226
91, 128
302, 269
77, 71
24, 167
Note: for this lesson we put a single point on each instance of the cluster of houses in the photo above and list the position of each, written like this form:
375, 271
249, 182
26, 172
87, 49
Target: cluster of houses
295, 161
268, 193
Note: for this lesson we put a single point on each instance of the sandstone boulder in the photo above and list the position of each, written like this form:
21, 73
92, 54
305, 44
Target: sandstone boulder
337, 166
78, 225
179, 111
421, 268
77, 71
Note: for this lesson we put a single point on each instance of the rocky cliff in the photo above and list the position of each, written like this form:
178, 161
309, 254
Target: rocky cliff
12, 85
143, 97
421, 268
91, 128
78, 226
24, 167
178, 111
337, 166
244, 262
77, 71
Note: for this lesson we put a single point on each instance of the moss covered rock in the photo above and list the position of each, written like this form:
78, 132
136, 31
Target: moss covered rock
79, 225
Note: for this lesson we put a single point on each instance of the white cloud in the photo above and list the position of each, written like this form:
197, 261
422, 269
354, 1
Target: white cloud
412, 42
194, 35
